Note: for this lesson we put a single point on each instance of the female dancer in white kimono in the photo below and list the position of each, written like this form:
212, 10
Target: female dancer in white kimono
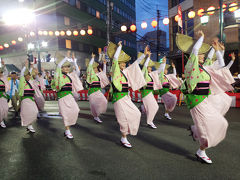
4, 87
209, 124
27, 90
96, 81
64, 83
128, 115
167, 80
150, 105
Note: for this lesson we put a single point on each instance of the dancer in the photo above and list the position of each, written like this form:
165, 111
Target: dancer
64, 83
209, 124
128, 115
4, 87
13, 92
29, 110
97, 80
167, 80
150, 105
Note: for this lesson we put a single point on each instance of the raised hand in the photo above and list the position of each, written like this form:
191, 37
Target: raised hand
221, 45
173, 65
26, 63
73, 56
216, 46
233, 56
2, 62
120, 43
200, 33
164, 59
93, 55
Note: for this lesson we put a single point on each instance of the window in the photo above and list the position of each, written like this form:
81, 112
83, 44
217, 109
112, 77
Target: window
66, 21
68, 44
78, 4
98, 14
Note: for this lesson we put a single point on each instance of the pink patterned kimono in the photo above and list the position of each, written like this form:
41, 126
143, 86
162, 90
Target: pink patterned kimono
149, 102
128, 115
98, 102
38, 97
27, 105
210, 125
3, 101
169, 99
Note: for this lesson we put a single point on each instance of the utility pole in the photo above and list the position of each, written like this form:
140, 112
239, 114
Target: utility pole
109, 19
221, 19
158, 32
37, 41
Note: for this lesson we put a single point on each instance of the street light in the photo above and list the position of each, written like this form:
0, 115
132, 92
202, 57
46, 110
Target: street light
44, 44
123, 28
144, 25
18, 17
30, 46
204, 19
237, 14
165, 21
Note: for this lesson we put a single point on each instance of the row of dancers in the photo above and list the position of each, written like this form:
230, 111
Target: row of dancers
204, 91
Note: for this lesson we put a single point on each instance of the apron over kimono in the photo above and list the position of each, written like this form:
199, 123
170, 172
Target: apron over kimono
128, 115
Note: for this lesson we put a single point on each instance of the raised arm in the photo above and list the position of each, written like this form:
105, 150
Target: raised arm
198, 44
218, 54
162, 65
105, 66
174, 69
211, 53
118, 51
232, 61
5, 72
24, 68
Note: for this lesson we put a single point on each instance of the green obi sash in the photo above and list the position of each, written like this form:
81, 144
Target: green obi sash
93, 90
193, 100
27, 97
145, 92
118, 95
62, 94
4, 95
163, 91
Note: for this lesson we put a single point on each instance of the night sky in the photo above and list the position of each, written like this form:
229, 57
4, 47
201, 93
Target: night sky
146, 10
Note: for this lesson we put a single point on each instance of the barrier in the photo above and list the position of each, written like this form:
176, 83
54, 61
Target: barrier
51, 95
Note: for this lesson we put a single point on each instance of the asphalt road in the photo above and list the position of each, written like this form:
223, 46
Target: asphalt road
95, 153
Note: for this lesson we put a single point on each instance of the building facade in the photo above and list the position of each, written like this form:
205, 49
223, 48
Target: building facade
150, 38
211, 29
56, 15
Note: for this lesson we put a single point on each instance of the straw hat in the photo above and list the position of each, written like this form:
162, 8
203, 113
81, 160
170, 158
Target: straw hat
123, 58
185, 44
59, 56
151, 62
95, 64
27, 72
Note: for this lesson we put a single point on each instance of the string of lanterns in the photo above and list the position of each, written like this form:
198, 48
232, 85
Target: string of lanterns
57, 33
210, 11
144, 25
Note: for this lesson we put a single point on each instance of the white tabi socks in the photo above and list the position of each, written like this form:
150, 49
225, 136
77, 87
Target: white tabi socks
203, 156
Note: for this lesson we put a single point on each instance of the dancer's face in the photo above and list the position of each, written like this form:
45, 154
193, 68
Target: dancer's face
13, 76
28, 77
96, 70
122, 66
66, 69
201, 58
165, 71
149, 69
